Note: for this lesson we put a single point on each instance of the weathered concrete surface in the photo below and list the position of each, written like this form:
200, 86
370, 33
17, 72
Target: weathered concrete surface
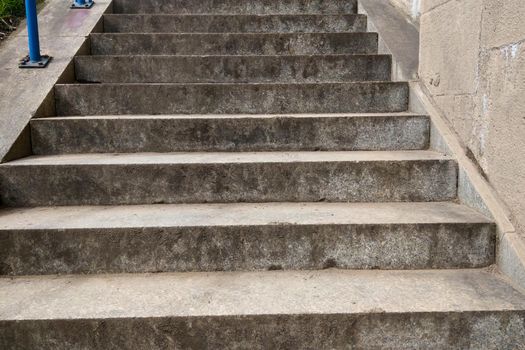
117, 99
161, 23
473, 188
466, 310
458, 309
232, 69
483, 95
511, 257
58, 21
496, 32
397, 37
17, 105
236, 214
447, 330
428, 5
443, 26
236, 6
306, 132
233, 43
475, 191
98, 179
412, 8
230, 237
503, 23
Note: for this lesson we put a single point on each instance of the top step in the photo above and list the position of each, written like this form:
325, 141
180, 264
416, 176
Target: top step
254, 7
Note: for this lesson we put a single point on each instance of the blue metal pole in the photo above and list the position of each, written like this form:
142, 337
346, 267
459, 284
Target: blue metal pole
32, 31
34, 59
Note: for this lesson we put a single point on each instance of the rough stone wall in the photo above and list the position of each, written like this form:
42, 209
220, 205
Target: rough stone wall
472, 61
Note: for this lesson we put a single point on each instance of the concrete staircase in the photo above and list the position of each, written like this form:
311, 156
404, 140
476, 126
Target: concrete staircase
243, 175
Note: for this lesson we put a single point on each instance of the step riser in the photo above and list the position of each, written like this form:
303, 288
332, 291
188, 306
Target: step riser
234, 24
232, 69
360, 181
236, 6
234, 44
434, 330
230, 99
375, 133
296, 247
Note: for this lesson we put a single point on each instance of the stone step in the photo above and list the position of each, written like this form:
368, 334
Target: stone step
233, 43
335, 309
161, 23
258, 7
149, 178
118, 99
232, 69
230, 133
227, 237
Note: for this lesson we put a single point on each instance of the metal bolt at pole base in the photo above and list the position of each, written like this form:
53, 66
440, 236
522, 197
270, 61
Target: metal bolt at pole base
82, 4
34, 59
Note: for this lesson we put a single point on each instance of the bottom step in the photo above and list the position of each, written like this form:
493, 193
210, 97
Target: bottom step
336, 309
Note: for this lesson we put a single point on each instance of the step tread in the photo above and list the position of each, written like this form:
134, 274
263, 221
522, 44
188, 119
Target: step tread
240, 34
225, 158
255, 293
205, 23
299, 14
236, 214
230, 133
327, 84
230, 116
242, 6
232, 68
203, 98
281, 57
238, 43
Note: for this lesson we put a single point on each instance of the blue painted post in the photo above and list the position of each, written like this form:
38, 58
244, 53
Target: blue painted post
35, 59
32, 31
82, 4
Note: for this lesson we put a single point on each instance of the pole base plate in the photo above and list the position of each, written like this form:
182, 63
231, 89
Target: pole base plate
87, 5
27, 63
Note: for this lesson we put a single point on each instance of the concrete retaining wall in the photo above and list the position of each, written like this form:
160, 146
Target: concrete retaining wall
472, 63
410, 7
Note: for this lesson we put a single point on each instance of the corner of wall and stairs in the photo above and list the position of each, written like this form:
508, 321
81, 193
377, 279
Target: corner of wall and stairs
467, 44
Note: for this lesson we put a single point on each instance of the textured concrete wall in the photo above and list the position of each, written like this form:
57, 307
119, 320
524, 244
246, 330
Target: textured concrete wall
410, 7
472, 61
